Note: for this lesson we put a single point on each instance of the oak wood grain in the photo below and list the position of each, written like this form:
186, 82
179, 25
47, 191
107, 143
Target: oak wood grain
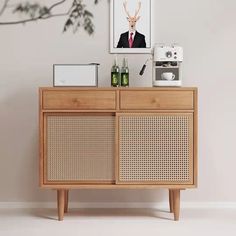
131, 100
79, 100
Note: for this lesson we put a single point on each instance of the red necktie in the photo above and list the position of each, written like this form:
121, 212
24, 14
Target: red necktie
131, 40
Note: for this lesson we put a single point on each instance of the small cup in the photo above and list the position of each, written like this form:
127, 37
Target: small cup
168, 76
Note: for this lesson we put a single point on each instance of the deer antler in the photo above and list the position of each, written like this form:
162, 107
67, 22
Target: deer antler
138, 10
125, 7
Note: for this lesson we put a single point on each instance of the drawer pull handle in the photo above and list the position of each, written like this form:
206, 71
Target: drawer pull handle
76, 101
156, 102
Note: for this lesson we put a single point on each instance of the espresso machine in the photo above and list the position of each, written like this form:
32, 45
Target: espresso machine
166, 65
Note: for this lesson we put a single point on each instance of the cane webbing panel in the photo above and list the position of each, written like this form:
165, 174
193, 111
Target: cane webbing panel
80, 148
156, 148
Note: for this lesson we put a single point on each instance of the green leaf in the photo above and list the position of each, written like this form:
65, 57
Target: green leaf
67, 24
32, 10
88, 13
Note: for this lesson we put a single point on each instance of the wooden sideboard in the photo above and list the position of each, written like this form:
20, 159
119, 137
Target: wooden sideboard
118, 138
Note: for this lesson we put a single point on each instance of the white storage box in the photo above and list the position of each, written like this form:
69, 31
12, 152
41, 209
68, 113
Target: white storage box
75, 75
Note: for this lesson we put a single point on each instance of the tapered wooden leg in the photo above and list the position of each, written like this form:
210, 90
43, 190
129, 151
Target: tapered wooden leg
176, 203
61, 203
171, 200
66, 200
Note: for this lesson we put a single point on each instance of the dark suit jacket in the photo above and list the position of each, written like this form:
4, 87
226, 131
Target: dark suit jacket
139, 40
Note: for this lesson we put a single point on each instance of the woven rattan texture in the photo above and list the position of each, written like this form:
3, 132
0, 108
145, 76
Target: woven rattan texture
80, 148
155, 148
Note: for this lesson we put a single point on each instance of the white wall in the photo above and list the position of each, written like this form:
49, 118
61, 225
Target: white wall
207, 31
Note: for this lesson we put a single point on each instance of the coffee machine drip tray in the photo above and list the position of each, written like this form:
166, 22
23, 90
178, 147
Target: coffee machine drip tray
176, 83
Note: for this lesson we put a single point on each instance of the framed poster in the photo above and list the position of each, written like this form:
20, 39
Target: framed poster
130, 26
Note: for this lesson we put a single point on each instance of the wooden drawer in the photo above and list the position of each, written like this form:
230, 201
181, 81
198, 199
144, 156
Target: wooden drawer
152, 100
81, 100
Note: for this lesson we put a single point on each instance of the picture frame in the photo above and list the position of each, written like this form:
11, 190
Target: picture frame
122, 12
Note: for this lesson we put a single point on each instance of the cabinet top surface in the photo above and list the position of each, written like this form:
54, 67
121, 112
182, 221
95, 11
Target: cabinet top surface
120, 88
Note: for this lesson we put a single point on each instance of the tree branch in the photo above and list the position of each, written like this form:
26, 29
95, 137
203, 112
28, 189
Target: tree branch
54, 15
41, 16
33, 19
78, 15
4, 7
55, 4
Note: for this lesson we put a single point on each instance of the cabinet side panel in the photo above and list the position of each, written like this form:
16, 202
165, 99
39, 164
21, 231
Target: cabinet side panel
195, 137
41, 139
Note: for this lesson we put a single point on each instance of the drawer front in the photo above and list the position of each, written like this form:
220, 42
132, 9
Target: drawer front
81, 100
152, 100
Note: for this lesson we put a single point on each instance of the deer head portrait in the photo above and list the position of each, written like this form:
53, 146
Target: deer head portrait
132, 19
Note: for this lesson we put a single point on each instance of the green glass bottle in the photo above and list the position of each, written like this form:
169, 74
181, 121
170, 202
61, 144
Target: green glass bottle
115, 74
125, 73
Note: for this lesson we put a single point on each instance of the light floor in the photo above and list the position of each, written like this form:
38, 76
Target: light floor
117, 222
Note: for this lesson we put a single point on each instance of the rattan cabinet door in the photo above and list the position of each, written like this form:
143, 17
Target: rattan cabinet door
155, 148
79, 148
